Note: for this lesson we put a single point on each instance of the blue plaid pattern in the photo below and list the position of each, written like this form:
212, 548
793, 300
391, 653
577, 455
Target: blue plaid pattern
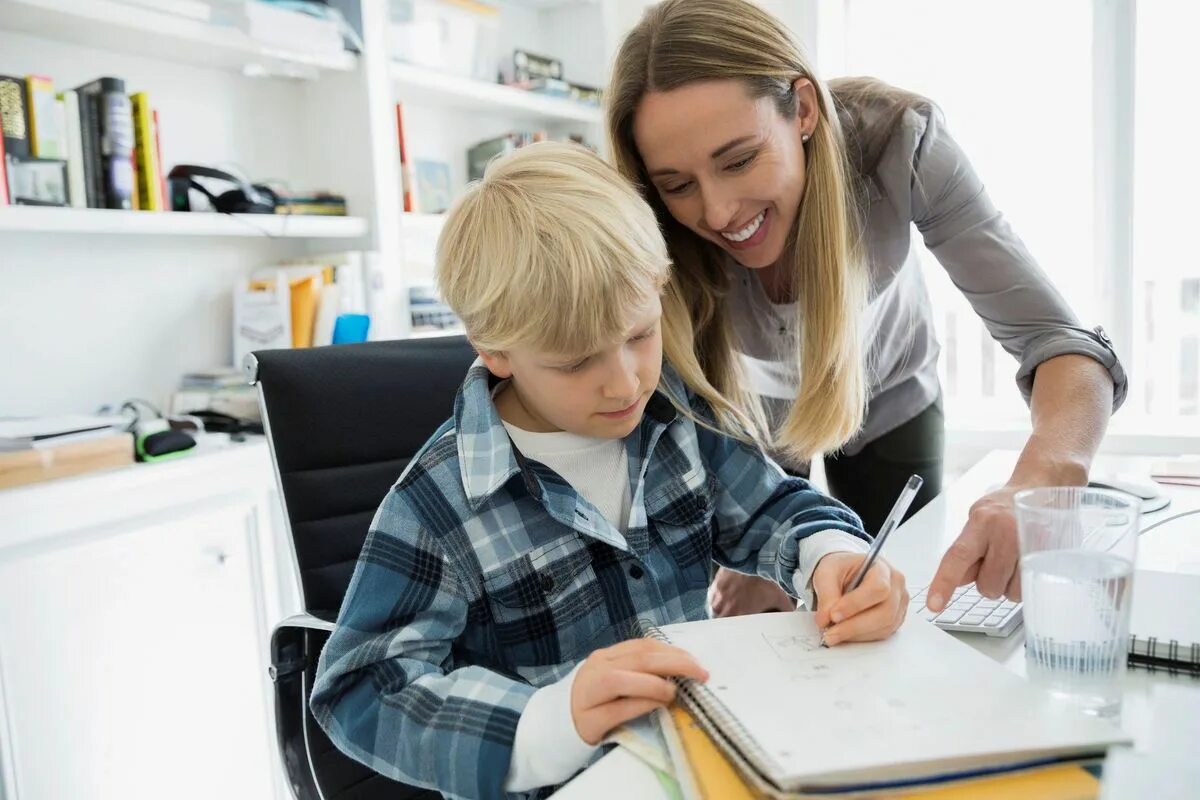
485, 576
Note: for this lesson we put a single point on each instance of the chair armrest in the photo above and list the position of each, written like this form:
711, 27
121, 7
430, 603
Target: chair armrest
296, 643
307, 621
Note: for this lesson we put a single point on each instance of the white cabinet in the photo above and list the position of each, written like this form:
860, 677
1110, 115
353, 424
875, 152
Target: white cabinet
133, 646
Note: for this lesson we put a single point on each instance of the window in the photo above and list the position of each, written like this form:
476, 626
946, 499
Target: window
1041, 96
1166, 269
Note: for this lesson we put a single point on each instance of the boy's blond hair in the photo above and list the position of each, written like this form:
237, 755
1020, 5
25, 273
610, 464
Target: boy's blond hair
554, 251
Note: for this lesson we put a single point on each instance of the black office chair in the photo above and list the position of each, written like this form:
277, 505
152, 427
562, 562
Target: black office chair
343, 422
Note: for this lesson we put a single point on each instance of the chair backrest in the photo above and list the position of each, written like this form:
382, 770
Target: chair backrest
344, 422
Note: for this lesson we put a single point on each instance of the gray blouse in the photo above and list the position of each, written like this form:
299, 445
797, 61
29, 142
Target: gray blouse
924, 179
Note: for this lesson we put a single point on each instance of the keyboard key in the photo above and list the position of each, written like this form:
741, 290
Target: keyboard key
950, 616
974, 618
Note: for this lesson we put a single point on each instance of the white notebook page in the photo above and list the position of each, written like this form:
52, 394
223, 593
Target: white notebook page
1165, 606
859, 712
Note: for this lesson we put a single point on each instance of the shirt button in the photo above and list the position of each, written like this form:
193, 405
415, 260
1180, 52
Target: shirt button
635, 571
547, 583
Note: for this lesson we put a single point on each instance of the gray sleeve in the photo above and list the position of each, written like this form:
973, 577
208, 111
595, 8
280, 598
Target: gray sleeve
989, 263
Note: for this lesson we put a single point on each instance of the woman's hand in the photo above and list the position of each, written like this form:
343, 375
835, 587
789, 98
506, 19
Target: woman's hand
625, 681
985, 552
733, 594
872, 611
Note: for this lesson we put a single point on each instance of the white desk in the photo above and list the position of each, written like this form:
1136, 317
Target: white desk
916, 548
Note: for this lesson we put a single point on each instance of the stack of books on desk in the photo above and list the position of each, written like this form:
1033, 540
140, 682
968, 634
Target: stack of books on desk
34, 449
782, 716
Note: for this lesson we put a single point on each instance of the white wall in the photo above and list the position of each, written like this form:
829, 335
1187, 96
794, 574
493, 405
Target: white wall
83, 323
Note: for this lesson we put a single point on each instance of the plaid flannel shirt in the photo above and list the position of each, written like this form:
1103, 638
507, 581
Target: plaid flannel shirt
485, 576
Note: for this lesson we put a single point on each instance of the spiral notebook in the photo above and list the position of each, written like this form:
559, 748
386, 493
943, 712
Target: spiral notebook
1164, 625
919, 708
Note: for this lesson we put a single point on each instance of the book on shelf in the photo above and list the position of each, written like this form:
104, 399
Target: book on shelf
45, 118
221, 389
73, 147
215, 378
14, 114
305, 302
313, 204
3, 169
110, 128
406, 180
162, 177
89, 137
262, 317
149, 171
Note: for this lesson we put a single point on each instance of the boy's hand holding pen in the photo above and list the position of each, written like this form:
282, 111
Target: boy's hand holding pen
861, 598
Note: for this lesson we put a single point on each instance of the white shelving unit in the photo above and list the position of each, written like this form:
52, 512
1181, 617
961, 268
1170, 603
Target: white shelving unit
36, 219
120, 27
152, 291
427, 87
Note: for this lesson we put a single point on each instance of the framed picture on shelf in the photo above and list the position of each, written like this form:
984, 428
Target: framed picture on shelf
433, 186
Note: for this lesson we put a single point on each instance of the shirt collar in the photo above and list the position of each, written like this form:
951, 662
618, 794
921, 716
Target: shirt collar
486, 457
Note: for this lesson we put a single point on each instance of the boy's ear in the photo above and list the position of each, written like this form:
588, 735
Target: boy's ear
497, 363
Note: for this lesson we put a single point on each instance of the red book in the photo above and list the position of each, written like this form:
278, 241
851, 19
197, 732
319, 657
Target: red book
165, 205
405, 177
3, 169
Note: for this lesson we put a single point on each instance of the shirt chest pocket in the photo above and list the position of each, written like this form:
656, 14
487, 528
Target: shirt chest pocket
681, 517
546, 604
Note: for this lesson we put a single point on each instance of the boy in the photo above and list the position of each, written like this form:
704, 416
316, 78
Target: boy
580, 485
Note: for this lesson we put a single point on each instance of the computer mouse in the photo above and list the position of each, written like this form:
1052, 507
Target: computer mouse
1150, 493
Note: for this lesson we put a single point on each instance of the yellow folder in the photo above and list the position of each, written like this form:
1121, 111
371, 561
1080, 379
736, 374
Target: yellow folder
305, 294
1066, 782
715, 778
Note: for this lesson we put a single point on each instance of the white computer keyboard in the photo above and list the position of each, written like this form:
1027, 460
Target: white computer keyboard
970, 612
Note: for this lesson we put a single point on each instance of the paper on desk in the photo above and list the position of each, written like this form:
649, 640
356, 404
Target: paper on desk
644, 739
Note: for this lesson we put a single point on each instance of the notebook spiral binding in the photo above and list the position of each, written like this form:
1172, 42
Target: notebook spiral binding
723, 727
1146, 653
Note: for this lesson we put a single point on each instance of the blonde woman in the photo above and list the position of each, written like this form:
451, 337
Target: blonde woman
789, 208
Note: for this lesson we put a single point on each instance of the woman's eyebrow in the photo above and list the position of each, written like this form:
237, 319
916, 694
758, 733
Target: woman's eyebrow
720, 151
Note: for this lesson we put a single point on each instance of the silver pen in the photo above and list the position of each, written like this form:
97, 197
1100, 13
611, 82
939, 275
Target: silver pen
907, 495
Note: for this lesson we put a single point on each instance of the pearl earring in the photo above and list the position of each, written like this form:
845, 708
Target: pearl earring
804, 137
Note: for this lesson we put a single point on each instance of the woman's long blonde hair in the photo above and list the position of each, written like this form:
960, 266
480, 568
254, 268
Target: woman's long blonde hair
678, 42
553, 250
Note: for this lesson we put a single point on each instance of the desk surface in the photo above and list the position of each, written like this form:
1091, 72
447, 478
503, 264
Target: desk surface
916, 548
